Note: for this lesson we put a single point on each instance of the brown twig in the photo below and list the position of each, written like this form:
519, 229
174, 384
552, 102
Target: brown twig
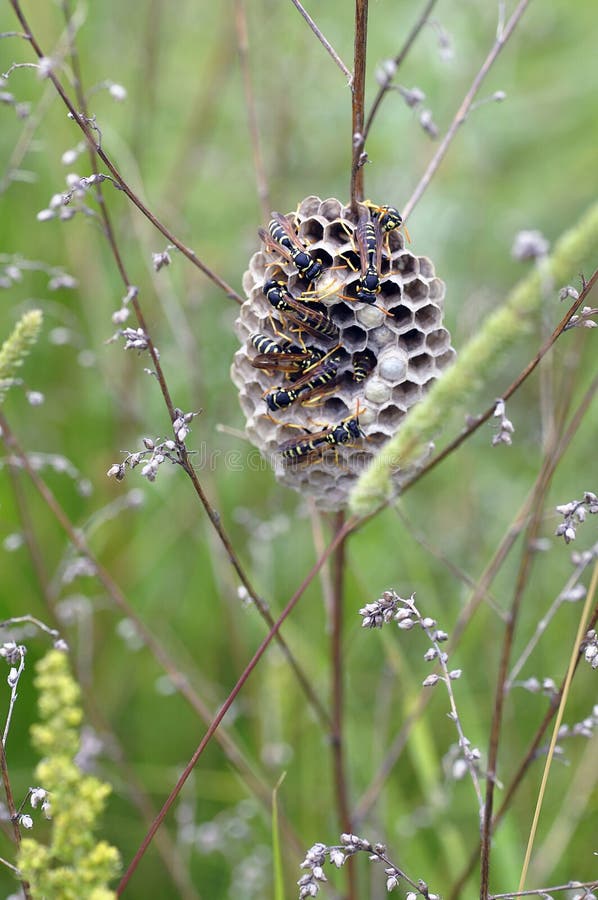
261, 605
12, 811
213, 728
478, 421
337, 704
462, 112
327, 45
357, 105
396, 64
254, 133
83, 123
531, 754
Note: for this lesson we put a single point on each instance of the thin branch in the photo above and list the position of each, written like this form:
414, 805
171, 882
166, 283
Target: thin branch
581, 631
357, 106
328, 46
385, 84
337, 672
338, 539
83, 123
463, 110
478, 421
254, 132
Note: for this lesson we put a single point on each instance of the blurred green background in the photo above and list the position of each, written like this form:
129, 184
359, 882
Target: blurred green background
181, 140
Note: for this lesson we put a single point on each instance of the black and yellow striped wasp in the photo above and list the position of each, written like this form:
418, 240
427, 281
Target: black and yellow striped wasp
363, 362
319, 375
282, 238
284, 356
369, 242
388, 216
301, 311
313, 445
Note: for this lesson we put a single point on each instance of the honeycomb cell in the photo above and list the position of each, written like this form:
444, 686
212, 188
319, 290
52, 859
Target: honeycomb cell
427, 317
369, 316
392, 365
403, 352
377, 391
412, 340
415, 291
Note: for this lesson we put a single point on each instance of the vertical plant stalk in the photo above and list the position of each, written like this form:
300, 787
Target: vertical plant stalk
337, 699
12, 810
357, 104
581, 630
254, 132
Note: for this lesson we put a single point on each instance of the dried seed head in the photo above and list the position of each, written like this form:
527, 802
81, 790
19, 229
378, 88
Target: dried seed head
400, 342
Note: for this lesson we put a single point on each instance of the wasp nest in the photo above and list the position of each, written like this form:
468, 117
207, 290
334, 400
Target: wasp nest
337, 388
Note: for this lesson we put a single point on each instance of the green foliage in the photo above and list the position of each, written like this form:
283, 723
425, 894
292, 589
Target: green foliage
17, 346
74, 865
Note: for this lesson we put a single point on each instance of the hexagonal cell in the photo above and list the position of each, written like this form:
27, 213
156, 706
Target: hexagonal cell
310, 206
369, 316
392, 365
342, 313
412, 340
389, 418
355, 338
402, 315
338, 235
377, 390
438, 340
415, 292
396, 241
427, 317
445, 358
310, 231
421, 364
382, 336
331, 208
407, 264
391, 292
407, 393
426, 267
436, 289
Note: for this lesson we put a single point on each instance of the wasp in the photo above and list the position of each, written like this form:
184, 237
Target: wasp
316, 377
369, 241
316, 443
282, 238
363, 364
284, 356
388, 216
305, 315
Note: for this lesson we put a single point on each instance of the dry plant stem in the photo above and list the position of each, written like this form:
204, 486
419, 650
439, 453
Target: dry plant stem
165, 846
523, 576
564, 693
527, 371
398, 61
323, 40
532, 532
462, 112
169, 665
254, 133
357, 104
337, 672
532, 752
338, 539
12, 811
188, 468
122, 185
547, 891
